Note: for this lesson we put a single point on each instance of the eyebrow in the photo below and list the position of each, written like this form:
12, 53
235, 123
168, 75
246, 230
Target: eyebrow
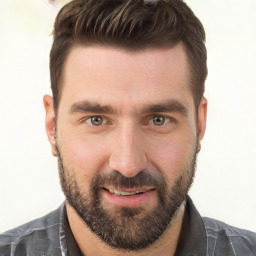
94, 107
167, 106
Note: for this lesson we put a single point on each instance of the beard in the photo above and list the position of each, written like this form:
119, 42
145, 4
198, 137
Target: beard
123, 227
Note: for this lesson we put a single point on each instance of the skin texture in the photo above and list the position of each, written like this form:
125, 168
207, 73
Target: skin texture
134, 88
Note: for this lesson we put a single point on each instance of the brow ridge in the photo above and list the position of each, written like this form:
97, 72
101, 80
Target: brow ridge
94, 107
166, 106
161, 107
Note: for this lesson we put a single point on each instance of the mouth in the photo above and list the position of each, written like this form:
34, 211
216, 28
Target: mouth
128, 197
127, 191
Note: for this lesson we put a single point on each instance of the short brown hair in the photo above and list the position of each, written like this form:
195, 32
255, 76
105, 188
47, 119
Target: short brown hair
130, 24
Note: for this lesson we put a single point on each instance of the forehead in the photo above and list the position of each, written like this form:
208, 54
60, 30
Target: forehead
116, 76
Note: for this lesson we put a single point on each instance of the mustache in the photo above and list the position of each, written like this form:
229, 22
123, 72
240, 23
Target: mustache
116, 179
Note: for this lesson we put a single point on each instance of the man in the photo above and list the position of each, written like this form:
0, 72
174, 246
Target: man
125, 122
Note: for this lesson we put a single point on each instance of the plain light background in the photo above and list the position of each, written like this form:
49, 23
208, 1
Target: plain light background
225, 183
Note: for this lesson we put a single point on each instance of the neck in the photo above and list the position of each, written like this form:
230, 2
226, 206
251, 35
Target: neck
92, 245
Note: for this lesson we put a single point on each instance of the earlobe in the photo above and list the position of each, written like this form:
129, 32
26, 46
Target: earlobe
201, 121
50, 121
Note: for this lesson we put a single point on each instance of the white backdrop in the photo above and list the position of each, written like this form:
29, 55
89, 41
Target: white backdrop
225, 184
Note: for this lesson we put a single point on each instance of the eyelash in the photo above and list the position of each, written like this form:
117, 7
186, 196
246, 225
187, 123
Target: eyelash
166, 120
90, 118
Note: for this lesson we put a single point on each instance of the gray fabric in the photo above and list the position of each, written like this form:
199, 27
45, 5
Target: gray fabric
46, 236
227, 240
51, 236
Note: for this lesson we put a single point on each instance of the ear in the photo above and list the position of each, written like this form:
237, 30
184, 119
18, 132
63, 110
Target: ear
201, 121
50, 121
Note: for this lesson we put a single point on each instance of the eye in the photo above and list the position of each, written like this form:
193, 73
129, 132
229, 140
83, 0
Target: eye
160, 120
95, 120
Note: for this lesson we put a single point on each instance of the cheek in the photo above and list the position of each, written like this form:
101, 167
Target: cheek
173, 156
84, 156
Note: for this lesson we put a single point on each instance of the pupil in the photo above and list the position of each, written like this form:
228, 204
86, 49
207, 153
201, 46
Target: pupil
96, 120
158, 120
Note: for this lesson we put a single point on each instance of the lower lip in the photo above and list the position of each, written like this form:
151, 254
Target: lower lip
129, 201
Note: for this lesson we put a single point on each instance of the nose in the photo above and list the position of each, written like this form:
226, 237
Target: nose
128, 152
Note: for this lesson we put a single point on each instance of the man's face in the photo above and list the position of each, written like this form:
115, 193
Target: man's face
126, 139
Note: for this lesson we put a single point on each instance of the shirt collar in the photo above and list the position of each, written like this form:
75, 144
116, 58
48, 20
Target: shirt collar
193, 238
68, 243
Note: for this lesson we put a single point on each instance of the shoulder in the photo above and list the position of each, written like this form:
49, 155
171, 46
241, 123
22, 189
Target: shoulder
235, 241
39, 233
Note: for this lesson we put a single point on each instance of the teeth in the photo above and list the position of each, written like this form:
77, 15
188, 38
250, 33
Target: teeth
124, 193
